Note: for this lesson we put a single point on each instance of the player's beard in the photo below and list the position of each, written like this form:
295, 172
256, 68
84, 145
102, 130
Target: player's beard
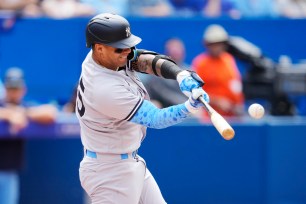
122, 60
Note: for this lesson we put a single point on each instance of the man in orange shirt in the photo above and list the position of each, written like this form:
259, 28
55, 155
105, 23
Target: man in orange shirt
218, 69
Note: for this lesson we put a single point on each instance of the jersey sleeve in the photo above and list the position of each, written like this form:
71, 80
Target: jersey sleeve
152, 117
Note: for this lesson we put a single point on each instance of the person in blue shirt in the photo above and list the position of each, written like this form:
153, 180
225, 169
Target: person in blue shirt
17, 113
256, 8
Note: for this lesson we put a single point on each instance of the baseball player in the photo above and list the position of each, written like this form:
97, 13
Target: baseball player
114, 111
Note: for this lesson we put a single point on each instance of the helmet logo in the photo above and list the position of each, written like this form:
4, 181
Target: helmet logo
128, 32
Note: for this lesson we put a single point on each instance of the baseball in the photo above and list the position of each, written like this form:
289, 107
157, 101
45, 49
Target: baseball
256, 111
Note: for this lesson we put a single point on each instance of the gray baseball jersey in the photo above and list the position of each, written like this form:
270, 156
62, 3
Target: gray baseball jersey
106, 100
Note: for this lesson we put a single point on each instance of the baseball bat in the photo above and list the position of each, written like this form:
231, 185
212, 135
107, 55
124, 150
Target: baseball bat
226, 131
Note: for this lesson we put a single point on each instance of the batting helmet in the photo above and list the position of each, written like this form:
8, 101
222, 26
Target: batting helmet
110, 29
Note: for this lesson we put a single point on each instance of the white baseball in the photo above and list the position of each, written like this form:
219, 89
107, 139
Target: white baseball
256, 111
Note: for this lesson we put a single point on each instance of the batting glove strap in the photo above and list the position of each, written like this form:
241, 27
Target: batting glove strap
196, 93
190, 107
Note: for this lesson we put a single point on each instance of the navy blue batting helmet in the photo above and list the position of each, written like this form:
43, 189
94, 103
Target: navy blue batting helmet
110, 29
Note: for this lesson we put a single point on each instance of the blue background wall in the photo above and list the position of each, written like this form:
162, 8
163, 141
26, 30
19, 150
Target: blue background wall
51, 51
265, 163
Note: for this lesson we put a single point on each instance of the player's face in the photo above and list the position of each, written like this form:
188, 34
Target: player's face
111, 57
116, 56
122, 55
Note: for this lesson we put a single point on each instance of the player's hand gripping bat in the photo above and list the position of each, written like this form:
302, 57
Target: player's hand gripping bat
187, 81
226, 131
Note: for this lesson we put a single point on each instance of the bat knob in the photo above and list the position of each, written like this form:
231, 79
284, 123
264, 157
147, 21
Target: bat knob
228, 134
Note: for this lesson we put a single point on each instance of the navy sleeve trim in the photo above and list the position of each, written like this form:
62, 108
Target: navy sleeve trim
135, 109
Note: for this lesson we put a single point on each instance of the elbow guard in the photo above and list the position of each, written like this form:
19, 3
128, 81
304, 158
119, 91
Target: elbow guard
168, 69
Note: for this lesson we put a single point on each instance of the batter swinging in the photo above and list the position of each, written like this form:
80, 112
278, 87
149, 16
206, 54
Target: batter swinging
114, 111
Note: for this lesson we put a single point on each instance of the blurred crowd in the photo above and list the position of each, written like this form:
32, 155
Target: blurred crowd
234, 9
236, 74
229, 89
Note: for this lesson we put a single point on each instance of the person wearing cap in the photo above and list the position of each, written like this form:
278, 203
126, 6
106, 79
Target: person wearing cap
218, 68
17, 113
114, 111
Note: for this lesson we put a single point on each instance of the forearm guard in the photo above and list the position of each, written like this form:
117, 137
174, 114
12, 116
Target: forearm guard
168, 68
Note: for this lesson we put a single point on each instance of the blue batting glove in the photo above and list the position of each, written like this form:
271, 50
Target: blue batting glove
189, 80
193, 104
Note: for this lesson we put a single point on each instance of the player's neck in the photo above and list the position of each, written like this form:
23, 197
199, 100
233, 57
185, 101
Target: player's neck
99, 62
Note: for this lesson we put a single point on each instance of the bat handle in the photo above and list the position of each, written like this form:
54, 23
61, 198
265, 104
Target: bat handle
206, 105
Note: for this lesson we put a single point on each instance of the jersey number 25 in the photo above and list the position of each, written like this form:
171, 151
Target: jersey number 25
80, 104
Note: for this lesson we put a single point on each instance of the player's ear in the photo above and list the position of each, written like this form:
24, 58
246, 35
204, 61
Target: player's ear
97, 47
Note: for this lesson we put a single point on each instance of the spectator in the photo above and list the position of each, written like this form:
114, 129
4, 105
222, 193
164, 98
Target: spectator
150, 8
112, 6
170, 94
209, 8
17, 114
2, 92
188, 7
175, 48
60, 9
292, 8
219, 8
69, 107
219, 71
25, 8
255, 8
